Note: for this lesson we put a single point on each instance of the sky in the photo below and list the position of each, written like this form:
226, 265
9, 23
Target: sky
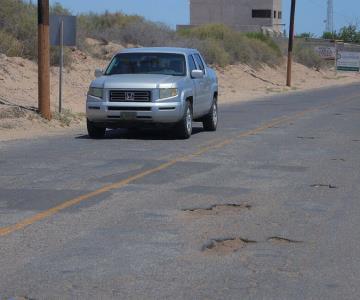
310, 14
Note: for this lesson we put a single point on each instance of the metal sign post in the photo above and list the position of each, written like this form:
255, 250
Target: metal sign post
336, 58
62, 33
61, 64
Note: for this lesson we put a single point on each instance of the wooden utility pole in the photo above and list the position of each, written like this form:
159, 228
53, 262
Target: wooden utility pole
291, 43
44, 59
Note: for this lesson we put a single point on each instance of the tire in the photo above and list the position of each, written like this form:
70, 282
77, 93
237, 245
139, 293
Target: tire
184, 127
210, 121
94, 131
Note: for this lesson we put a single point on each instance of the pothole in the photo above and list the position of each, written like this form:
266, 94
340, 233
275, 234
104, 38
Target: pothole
22, 298
226, 245
282, 240
320, 185
306, 137
356, 140
219, 208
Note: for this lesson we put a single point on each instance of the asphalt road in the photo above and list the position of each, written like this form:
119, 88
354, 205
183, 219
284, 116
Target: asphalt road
268, 207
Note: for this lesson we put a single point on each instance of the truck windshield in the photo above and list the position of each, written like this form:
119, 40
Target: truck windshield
148, 63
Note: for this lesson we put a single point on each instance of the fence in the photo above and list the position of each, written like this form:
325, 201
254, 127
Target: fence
345, 56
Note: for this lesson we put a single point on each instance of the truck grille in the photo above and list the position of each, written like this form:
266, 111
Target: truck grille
130, 96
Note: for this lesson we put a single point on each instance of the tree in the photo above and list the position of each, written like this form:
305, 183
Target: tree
308, 35
329, 36
58, 9
350, 34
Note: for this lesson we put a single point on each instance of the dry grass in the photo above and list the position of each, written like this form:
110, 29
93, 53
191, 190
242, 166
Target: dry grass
68, 118
12, 112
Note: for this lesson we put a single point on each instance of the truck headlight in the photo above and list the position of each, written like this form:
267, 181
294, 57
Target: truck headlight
96, 92
168, 93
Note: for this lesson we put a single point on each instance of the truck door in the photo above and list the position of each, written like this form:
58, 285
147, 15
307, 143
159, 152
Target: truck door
205, 87
198, 90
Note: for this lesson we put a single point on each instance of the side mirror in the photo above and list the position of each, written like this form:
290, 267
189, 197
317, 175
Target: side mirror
197, 74
99, 73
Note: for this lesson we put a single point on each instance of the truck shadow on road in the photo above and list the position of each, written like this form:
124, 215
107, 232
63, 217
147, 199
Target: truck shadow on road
157, 134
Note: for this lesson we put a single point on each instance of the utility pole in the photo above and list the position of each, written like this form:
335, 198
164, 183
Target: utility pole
291, 42
44, 59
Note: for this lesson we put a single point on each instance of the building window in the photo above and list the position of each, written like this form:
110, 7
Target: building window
280, 15
261, 13
274, 14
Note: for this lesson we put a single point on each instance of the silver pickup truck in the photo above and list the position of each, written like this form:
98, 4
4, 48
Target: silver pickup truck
145, 86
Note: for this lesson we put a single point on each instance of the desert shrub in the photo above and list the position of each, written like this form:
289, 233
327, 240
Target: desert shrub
18, 19
96, 23
55, 56
146, 34
58, 9
67, 117
12, 112
253, 49
307, 56
10, 45
265, 39
107, 26
124, 29
214, 53
18, 33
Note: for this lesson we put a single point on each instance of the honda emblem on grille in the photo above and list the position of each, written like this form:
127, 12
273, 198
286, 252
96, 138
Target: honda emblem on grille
130, 96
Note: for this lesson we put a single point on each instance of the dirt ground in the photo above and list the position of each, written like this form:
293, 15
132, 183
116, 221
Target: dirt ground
18, 87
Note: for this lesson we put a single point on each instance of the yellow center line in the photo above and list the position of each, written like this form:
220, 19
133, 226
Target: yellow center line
216, 144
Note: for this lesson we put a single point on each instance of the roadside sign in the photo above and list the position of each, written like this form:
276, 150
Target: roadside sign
348, 61
326, 52
69, 30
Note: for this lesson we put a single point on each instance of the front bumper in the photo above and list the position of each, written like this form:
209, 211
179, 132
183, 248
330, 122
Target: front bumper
117, 112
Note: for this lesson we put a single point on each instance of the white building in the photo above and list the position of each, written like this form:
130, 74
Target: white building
242, 15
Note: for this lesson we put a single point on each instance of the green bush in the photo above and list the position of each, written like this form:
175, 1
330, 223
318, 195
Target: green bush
253, 49
18, 19
18, 33
10, 45
96, 23
307, 56
265, 39
215, 53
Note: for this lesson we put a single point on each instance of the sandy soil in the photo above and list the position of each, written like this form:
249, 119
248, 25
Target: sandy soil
18, 86
242, 83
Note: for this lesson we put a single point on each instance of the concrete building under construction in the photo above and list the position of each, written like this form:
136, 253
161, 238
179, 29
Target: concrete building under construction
242, 15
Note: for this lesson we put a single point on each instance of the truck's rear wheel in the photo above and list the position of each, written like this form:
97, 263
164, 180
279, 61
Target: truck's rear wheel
210, 121
184, 127
94, 131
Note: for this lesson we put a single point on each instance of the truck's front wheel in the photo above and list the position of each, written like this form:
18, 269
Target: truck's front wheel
94, 131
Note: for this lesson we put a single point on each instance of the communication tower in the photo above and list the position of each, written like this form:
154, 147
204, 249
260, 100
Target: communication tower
330, 16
